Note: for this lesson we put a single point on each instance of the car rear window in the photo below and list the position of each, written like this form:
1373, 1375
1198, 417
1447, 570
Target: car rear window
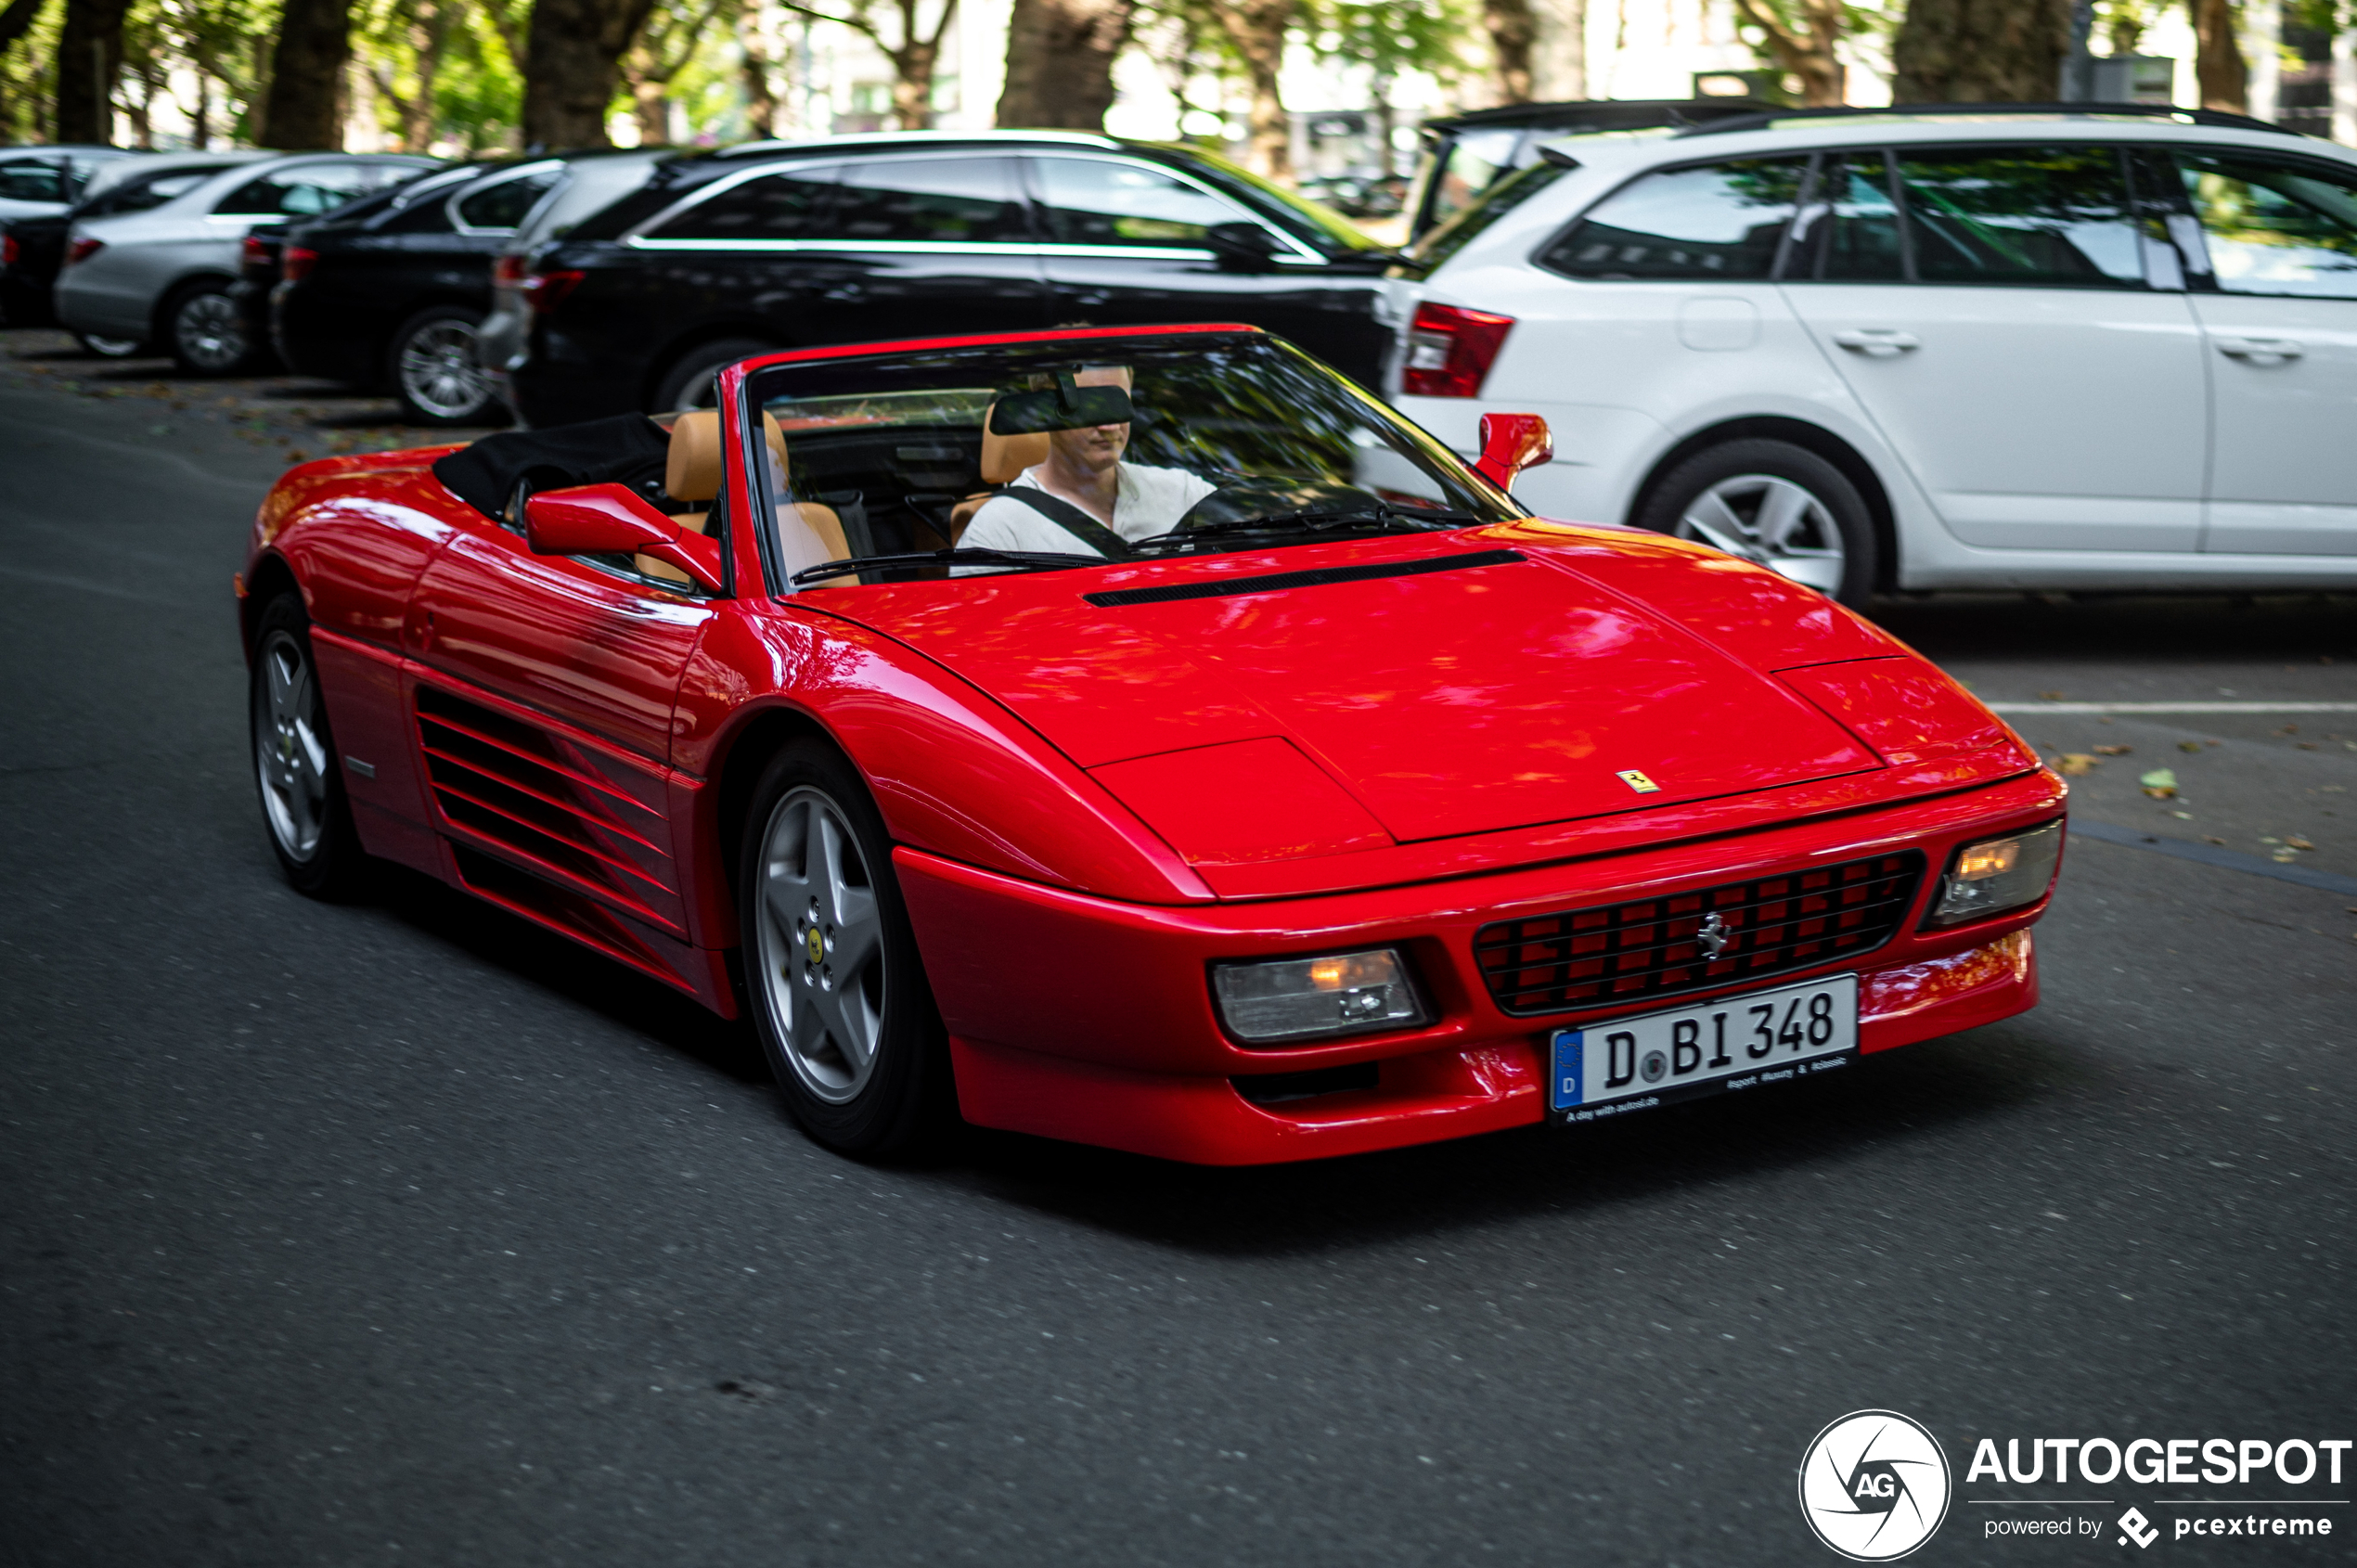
2275, 228
1719, 221
1100, 201
954, 200
791, 204
30, 179
305, 190
504, 204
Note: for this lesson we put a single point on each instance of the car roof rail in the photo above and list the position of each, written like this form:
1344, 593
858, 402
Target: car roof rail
2217, 117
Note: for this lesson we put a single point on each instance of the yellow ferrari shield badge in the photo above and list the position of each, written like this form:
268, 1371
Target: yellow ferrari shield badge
1637, 782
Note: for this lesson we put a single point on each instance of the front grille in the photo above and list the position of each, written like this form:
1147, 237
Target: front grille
1653, 946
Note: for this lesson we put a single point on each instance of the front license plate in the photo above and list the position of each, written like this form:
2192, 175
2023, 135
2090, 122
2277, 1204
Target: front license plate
1733, 1042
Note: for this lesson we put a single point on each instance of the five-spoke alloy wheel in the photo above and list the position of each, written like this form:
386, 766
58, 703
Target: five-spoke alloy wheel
208, 332
434, 368
302, 800
838, 992
1774, 504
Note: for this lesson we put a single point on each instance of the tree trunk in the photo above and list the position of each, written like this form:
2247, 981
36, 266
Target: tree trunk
1574, 25
2218, 62
650, 105
1060, 56
914, 63
573, 66
761, 97
89, 57
1258, 29
1806, 52
1980, 51
1513, 32
306, 71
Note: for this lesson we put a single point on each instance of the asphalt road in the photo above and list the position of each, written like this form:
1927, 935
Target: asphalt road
399, 1233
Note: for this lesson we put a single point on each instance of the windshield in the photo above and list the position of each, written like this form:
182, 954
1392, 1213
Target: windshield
1019, 457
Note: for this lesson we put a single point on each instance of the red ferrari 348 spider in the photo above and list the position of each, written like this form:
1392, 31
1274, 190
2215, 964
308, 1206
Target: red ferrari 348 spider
1140, 737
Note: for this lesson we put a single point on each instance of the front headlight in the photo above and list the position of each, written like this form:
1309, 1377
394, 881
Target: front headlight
1290, 999
1994, 875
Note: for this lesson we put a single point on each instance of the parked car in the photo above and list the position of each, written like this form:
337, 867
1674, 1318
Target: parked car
41, 182
388, 295
33, 251
164, 275
765, 247
1307, 799
1464, 155
2106, 348
259, 254
586, 184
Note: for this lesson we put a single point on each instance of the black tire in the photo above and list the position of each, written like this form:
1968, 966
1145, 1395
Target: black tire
1833, 549
429, 365
690, 381
297, 768
206, 331
815, 1022
109, 348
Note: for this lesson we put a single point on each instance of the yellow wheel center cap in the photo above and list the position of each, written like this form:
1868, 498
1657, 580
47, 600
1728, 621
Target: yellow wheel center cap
817, 945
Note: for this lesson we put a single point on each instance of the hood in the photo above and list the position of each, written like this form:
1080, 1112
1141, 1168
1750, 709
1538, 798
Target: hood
1479, 688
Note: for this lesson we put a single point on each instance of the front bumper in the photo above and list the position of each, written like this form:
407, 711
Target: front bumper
1079, 1018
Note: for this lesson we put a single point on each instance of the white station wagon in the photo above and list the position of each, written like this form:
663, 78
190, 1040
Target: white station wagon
1884, 350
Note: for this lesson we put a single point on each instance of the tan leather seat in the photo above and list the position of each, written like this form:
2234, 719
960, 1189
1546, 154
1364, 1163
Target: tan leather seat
692, 472
1004, 457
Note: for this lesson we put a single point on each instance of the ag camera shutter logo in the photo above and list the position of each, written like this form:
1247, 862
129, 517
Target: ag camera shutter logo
1874, 1486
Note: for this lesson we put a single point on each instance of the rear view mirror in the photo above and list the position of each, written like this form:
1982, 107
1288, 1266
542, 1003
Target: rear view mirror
1058, 408
1511, 442
602, 520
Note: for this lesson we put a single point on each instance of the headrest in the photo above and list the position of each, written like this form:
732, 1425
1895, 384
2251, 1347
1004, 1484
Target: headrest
1004, 457
691, 468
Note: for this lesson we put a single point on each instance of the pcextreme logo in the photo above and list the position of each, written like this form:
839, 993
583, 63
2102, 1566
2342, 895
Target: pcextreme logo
1874, 1486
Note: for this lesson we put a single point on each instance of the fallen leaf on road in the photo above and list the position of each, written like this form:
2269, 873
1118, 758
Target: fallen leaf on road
2052, 696
2189, 745
2298, 843
2113, 750
2211, 838
2077, 762
2285, 857
2160, 783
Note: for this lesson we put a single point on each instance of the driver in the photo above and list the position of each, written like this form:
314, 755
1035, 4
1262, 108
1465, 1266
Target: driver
1083, 469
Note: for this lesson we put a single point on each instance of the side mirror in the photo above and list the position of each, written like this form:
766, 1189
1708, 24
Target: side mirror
1511, 442
1242, 247
602, 520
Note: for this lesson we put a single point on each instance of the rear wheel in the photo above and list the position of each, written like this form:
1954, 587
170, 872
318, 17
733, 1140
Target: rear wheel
837, 989
693, 379
207, 331
431, 364
1776, 504
302, 800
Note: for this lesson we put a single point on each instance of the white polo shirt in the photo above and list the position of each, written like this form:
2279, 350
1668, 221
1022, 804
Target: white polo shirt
1146, 502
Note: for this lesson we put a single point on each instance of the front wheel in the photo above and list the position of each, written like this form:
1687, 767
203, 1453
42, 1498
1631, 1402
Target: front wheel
207, 331
432, 366
303, 798
1775, 504
837, 988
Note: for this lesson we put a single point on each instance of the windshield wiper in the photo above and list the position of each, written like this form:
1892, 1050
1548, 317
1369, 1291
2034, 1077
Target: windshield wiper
1308, 521
1025, 561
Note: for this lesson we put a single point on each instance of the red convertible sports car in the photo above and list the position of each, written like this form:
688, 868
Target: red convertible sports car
1145, 738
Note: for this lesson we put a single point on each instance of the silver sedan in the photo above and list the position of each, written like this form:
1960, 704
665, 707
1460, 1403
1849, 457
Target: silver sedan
161, 275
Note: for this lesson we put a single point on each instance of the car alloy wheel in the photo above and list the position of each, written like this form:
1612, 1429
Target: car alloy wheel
209, 334
290, 750
435, 369
833, 979
1773, 521
822, 940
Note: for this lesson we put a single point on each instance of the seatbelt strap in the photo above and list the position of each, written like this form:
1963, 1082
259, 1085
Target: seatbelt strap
1072, 519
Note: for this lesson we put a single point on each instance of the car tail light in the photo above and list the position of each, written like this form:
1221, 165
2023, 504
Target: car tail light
545, 290
508, 272
294, 263
1995, 875
252, 253
1450, 351
7, 249
83, 249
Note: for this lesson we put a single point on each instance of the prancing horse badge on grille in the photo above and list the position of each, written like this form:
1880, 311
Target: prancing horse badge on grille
1712, 935
1637, 782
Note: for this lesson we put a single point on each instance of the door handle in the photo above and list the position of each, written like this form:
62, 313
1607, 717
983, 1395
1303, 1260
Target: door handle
2260, 348
1881, 341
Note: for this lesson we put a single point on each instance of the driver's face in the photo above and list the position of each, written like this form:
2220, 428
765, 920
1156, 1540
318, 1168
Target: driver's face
1096, 447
